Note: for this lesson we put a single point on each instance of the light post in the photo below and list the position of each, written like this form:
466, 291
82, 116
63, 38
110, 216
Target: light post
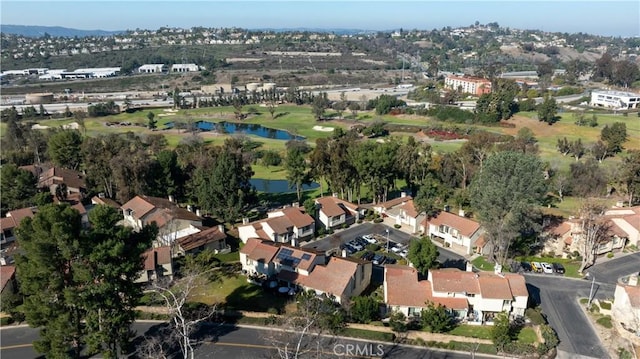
591, 292
387, 230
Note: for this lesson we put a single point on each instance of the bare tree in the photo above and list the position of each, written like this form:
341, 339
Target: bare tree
309, 331
593, 231
562, 185
184, 320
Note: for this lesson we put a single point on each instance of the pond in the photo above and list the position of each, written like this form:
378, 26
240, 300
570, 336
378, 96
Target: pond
246, 128
278, 186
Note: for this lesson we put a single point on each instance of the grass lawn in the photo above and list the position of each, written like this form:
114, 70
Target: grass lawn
367, 334
605, 322
238, 294
483, 264
472, 331
527, 336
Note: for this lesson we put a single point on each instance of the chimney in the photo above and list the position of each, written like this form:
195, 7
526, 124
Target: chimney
245, 220
221, 228
101, 195
461, 212
469, 267
198, 213
497, 269
293, 242
295, 204
344, 253
633, 280
335, 194
189, 207
403, 194
447, 208
171, 198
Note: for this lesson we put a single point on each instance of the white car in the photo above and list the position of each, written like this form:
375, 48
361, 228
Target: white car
547, 268
404, 253
397, 249
369, 238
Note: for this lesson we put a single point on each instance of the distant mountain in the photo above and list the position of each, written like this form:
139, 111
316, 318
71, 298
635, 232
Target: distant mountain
56, 31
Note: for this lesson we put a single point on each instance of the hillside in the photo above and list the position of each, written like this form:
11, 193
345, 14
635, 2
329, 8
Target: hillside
55, 31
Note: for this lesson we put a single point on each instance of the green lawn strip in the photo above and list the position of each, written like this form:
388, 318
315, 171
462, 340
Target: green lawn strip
459, 346
527, 336
228, 257
483, 264
367, 334
270, 173
472, 331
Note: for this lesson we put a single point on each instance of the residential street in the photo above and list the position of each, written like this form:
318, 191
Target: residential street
612, 269
245, 342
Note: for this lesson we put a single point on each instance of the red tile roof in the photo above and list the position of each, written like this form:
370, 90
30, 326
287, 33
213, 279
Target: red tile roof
561, 229
6, 275
454, 281
304, 264
517, 284
401, 280
334, 206
634, 295
332, 278
259, 250
57, 175
465, 226
202, 238
154, 257
105, 202
298, 217
394, 202
409, 208
494, 287
19, 214
142, 205
280, 225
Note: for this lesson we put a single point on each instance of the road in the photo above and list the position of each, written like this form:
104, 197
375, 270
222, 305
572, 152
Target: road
60, 107
611, 270
559, 300
228, 341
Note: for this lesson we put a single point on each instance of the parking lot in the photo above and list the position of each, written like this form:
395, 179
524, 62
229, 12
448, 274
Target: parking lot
337, 241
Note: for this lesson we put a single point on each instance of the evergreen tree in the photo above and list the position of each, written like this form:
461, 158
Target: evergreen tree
423, 254
296, 167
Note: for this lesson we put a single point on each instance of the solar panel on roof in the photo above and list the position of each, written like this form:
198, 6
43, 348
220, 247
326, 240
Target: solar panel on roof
306, 257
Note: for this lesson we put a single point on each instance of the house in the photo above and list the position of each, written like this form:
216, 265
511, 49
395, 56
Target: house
12, 220
184, 68
54, 177
173, 222
626, 306
7, 279
340, 279
158, 264
401, 210
458, 232
624, 229
103, 201
334, 212
283, 226
337, 277
212, 238
256, 257
152, 68
468, 296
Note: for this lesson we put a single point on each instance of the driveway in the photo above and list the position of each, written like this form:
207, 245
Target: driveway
558, 298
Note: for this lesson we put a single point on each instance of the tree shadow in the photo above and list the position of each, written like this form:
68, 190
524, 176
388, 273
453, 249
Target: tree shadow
454, 263
255, 298
280, 114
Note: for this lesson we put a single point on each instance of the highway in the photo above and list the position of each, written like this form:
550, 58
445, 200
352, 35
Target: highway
73, 106
239, 341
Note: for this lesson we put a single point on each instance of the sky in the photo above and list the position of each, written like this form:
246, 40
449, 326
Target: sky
610, 18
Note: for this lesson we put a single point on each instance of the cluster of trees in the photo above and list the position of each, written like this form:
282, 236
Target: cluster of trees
622, 73
78, 285
103, 109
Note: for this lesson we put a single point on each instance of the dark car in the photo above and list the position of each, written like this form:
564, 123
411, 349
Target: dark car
525, 266
379, 259
391, 261
368, 256
558, 268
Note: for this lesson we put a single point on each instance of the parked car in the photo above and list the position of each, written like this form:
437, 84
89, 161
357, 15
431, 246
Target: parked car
361, 241
357, 246
397, 249
536, 267
369, 238
525, 266
547, 268
558, 268
404, 253
390, 260
379, 259
368, 256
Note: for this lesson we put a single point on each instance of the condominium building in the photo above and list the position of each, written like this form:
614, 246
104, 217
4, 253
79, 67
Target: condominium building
467, 84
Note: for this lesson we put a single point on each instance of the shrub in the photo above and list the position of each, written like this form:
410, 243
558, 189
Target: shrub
535, 315
605, 322
605, 305
398, 322
610, 255
377, 220
359, 221
396, 226
594, 308
6, 321
373, 247
273, 311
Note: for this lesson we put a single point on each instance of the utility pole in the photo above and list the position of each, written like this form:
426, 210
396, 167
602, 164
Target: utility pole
593, 281
387, 240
